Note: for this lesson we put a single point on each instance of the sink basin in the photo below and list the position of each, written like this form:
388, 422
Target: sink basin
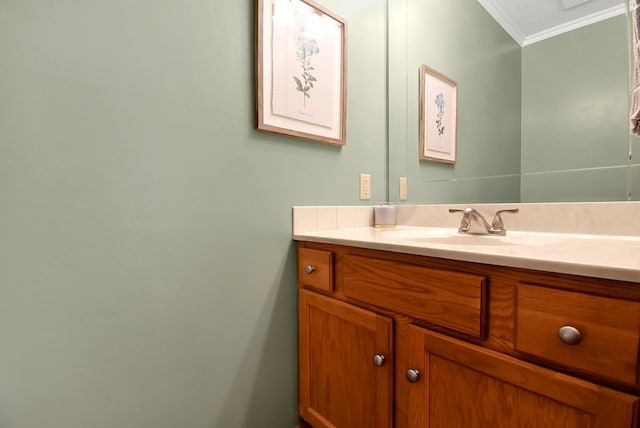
461, 239
452, 237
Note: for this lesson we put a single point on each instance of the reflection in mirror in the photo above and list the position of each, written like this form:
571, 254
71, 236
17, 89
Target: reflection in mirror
545, 122
575, 115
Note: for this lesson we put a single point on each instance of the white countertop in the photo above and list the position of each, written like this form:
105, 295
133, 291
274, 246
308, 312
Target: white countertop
600, 256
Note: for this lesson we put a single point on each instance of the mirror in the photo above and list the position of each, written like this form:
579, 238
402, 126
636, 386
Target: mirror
540, 123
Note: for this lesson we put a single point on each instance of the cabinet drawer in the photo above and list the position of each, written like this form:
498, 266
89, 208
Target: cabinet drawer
609, 331
315, 269
452, 300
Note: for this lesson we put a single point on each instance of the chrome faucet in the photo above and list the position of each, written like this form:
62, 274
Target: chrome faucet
474, 223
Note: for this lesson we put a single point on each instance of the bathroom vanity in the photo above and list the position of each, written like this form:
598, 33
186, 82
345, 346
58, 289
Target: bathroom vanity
397, 330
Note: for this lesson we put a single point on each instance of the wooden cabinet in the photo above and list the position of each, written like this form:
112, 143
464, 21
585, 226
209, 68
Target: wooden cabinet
346, 364
453, 300
607, 330
464, 385
396, 340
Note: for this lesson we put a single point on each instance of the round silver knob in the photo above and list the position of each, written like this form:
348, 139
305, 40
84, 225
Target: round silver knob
378, 360
413, 375
309, 269
569, 335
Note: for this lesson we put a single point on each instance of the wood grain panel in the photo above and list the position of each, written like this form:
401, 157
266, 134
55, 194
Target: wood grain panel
610, 330
450, 299
470, 376
339, 384
322, 262
464, 385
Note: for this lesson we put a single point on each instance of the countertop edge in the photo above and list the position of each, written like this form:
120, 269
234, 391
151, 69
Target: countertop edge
619, 273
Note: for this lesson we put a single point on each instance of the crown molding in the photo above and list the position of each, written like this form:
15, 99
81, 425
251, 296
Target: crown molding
575, 24
501, 17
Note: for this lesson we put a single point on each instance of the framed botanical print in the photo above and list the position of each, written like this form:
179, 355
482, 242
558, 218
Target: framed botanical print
301, 70
438, 116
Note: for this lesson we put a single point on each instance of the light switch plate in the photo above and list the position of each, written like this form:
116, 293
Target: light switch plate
403, 188
365, 186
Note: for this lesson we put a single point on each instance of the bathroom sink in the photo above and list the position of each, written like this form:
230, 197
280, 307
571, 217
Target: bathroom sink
483, 240
453, 237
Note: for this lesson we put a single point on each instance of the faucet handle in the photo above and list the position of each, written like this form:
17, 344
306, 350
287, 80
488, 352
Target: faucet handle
472, 221
465, 224
465, 211
497, 223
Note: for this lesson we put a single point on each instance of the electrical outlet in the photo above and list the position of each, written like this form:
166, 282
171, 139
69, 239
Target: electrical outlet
403, 188
365, 186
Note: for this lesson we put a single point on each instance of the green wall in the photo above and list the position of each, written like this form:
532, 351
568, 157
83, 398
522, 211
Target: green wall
460, 39
575, 108
546, 122
147, 272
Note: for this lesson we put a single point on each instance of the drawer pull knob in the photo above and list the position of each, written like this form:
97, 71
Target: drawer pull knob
413, 375
569, 335
378, 360
309, 269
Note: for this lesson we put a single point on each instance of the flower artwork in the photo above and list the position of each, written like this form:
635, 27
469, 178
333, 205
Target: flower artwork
301, 70
304, 60
307, 47
438, 116
440, 103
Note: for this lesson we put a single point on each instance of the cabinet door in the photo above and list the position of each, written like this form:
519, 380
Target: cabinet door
345, 363
463, 385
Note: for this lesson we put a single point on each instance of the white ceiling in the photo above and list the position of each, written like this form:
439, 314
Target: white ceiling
529, 21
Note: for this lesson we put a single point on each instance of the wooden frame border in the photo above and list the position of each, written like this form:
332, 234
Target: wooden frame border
301, 76
438, 116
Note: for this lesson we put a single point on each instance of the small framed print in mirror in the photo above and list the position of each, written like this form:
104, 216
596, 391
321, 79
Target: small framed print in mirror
301, 70
438, 116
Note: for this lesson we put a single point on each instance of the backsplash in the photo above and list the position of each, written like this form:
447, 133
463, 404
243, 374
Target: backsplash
315, 219
596, 218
